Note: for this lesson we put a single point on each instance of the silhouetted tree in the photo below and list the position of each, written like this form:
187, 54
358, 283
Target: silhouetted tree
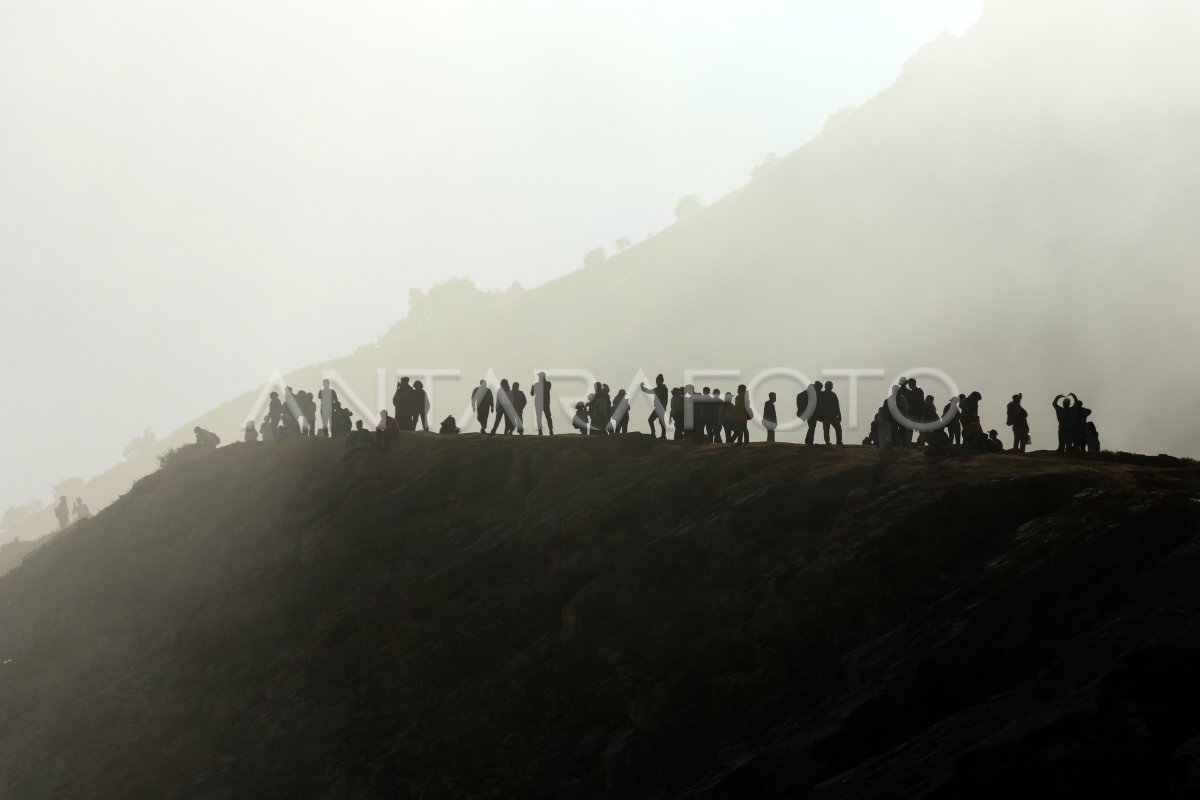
622, 243
770, 161
594, 258
142, 446
687, 205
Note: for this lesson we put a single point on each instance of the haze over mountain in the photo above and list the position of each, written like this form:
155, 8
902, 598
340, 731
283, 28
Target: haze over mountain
214, 189
1016, 211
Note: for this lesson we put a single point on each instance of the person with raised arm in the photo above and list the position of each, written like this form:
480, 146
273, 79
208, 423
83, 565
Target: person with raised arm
662, 402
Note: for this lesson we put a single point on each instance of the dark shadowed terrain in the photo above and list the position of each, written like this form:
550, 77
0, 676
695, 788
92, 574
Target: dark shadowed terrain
465, 617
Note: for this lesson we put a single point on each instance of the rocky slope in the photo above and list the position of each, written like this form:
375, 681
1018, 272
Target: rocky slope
575, 617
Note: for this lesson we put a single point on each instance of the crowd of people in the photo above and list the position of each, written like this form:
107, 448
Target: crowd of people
907, 418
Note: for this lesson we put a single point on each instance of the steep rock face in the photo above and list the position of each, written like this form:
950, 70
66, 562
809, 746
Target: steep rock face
577, 617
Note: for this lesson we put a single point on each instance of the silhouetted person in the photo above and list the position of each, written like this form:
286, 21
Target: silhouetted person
725, 422
420, 406
329, 401
481, 404
662, 402
740, 417
705, 411
359, 436
266, 431
504, 408
1064, 413
600, 409
63, 512
81, 510
206, 438
308, 412
954, 426
541, 403
769, 421
802, 406
275, 410
580, 421
829, 409
519, 401
968, 409
1018, 420
994, 445
937, 443
678, 412
1093, 438
914, 406
251, 433
818, 387
620, 418
288, 426
928, 414
1077, 424
387, 429
342, 424
402, 403
449, 425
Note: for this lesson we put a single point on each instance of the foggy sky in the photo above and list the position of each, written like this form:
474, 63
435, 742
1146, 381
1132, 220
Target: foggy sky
196, 193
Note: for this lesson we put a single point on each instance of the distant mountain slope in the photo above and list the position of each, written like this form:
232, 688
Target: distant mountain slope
1018, 210
585, 617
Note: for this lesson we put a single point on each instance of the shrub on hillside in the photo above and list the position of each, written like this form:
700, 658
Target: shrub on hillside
185, 452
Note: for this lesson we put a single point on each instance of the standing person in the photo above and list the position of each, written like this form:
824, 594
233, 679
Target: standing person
63, 512
740, 417
1078, 424
481, 404
81, 510
802, 405
329, 399
541, 403
678, 412
661, 404
620, 423
725, 422
1062, 411
816, 415
954, 426
420, 405
916, 407
402, 404
600, 409
503, 408
707, 412
972, 428
830, 412
769, 420
1018, 420
308, 412
275, 410
519, 401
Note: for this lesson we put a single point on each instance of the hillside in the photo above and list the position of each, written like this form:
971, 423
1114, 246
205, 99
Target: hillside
1017, 210
583, 617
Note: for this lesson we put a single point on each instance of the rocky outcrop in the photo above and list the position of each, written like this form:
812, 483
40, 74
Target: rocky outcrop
571, 617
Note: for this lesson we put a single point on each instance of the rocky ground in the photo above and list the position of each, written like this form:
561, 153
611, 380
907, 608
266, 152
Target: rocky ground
470, 617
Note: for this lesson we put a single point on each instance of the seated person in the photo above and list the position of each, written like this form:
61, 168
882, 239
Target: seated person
206, 438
